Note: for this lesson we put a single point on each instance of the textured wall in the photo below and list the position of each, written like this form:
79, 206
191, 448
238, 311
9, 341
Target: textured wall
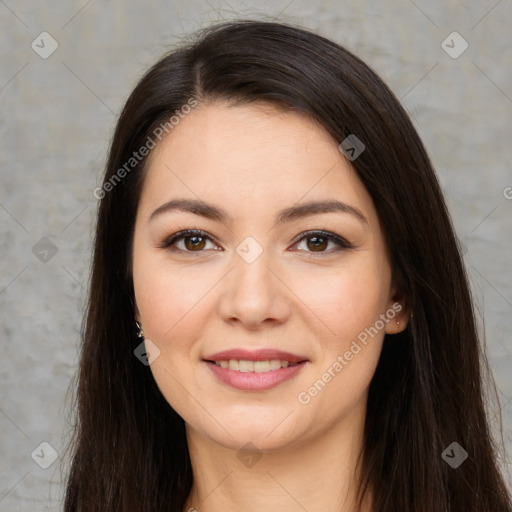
58, 113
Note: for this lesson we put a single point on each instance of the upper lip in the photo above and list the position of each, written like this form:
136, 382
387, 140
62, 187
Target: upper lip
264, 354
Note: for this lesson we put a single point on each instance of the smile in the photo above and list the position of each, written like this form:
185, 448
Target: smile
247, 375
243, 365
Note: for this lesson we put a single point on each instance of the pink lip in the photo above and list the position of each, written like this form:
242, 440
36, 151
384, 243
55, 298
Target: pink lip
265, 354
254, 381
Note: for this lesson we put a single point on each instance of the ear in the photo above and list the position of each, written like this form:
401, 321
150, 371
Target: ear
398, 312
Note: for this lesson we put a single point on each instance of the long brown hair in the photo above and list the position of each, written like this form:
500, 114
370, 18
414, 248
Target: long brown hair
129, 448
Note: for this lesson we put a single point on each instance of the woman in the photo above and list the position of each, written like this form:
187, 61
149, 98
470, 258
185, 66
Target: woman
279, 315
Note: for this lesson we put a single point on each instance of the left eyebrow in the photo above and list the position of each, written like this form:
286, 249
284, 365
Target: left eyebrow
292, 213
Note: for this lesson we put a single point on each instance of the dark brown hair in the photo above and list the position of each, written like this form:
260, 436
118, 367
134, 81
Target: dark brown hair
129, 448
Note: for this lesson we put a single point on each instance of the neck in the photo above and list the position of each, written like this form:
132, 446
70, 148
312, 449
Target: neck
316, 475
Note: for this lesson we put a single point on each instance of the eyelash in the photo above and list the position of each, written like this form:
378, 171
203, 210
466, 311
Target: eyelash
342, 243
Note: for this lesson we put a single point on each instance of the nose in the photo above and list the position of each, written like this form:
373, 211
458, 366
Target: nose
254, 293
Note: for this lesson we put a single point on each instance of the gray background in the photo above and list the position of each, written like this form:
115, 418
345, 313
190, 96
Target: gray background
57, 116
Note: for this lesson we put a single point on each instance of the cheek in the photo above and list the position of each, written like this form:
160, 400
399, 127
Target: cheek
347, 301
172, 315
167, 297
349, 305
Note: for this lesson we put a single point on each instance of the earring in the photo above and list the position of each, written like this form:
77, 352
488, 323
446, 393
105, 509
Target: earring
140, 332
397, 323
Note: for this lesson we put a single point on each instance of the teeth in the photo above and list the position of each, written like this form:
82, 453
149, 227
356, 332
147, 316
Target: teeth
244, 366
275, 364
261, 366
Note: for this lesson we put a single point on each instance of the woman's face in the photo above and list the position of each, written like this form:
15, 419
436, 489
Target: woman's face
254, 280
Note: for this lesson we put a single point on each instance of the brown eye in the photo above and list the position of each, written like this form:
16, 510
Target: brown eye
191, 240
194, 242
187, 241
318, 242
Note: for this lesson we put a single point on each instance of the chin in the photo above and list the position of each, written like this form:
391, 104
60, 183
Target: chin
262, 435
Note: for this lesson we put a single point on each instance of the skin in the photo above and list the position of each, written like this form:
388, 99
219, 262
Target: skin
253, 161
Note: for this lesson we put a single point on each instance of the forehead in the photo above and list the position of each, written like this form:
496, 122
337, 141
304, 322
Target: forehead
250, 158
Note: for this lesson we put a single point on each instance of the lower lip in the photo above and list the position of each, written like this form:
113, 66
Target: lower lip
253, 381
